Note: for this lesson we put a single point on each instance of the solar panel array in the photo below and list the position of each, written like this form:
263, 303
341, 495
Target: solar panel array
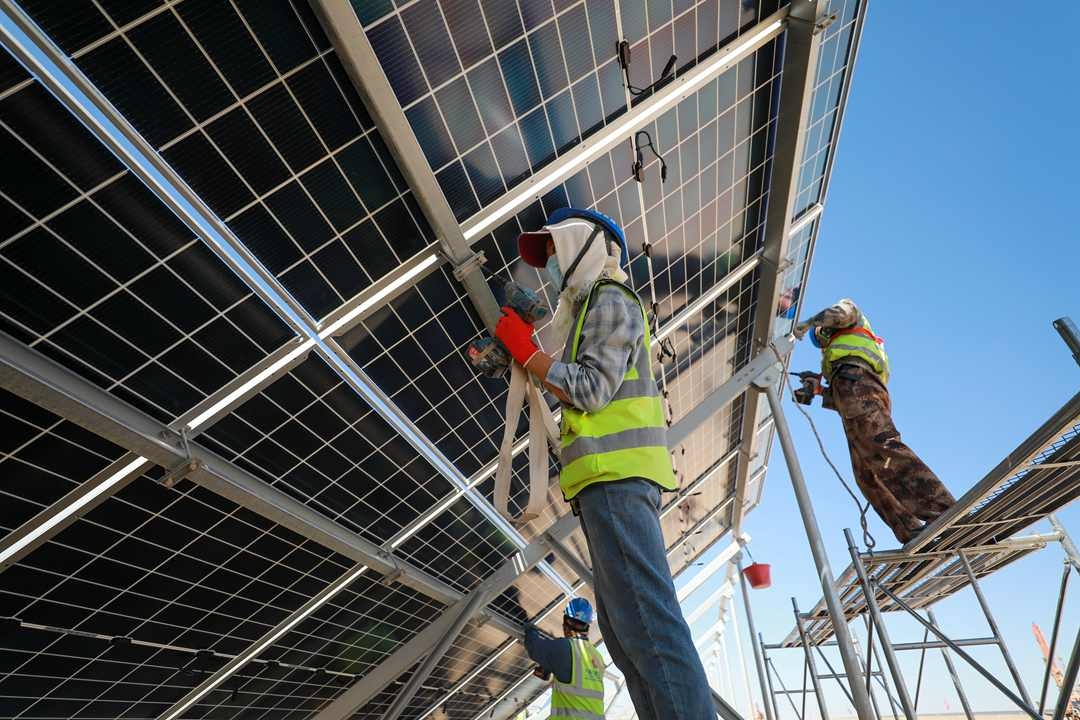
154, 590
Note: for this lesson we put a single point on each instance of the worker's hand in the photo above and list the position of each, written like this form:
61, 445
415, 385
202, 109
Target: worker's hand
800, 330
516, 335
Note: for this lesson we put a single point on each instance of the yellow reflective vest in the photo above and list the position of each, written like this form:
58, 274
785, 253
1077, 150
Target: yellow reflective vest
628, 436
583, 697
859, 341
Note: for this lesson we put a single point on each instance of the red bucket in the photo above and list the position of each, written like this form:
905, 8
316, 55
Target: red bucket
758, 575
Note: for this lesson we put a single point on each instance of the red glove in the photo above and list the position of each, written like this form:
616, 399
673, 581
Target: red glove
516, 335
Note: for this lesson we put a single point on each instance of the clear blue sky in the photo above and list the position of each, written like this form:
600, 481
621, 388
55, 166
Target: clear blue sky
951, 220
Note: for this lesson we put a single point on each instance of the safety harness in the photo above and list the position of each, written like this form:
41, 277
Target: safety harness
543, 427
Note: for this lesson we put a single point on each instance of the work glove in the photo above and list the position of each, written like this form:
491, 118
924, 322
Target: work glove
800, 330
516, 335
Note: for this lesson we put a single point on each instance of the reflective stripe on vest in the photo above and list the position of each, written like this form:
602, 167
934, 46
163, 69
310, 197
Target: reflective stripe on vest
628, 436
860, 342
583, 696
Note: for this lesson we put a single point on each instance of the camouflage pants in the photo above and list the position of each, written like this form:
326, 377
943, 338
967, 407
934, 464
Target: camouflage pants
900, 487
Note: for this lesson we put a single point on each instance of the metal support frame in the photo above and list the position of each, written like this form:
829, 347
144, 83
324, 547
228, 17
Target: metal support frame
802, 45
770, 700
952, 673
757, 647
723, 709
420, 676
34, 377
83, 99
1065, 573
878, 674
1072, 555
353, 48
852, 666
1018, 701
50, 521
994, 628
879, 625
567, 556
407, 655
1069, 681
815, 678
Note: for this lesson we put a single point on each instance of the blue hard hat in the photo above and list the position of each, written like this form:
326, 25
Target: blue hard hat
579, 609
814, 339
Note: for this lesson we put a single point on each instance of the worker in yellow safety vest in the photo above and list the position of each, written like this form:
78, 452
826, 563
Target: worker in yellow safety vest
572, 663
615, 460
904, 492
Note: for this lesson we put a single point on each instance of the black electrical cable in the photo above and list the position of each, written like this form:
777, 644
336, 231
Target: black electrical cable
623, 51
639, 162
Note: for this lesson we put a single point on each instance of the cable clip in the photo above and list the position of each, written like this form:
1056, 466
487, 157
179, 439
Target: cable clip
180, 471
468, 265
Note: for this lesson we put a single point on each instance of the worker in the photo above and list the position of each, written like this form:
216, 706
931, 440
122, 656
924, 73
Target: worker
904, 492
572, 663
615, 459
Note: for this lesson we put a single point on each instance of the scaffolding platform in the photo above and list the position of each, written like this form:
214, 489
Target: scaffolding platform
1038, 478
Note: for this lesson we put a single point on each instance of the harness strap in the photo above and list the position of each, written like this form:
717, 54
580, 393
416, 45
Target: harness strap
543, 432
855, 331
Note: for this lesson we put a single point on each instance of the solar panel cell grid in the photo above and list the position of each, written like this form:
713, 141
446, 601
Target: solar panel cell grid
310, 435
251, 106
101, 276
54, 675
181, 567
42, 458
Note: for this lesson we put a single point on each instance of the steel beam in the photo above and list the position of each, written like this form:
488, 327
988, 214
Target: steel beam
879, 624
1071, 553
1068, 683
420, 676
994, 627
815, 679
343, 27
759, 651
802, 44
852, 666
569, 557
1066, 572
50, 521
34, 377
723, 395
952, 673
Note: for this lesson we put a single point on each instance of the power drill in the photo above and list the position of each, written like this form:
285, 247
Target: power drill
487, 355
811, 386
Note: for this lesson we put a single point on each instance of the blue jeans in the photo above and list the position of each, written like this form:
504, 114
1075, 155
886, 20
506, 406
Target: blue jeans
638, 611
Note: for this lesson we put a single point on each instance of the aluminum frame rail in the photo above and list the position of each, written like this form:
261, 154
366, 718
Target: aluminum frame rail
802, 46
56, 71
422, 644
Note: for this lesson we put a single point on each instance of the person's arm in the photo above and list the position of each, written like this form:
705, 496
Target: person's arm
612, 330
552, 654
843, 314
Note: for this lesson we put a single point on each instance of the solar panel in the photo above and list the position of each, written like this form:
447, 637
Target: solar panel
151, 592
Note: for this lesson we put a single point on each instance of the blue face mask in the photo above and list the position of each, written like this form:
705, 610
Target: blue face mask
554, 272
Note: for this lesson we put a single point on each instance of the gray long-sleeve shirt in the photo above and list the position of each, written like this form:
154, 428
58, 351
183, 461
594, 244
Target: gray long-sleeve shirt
611, 337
